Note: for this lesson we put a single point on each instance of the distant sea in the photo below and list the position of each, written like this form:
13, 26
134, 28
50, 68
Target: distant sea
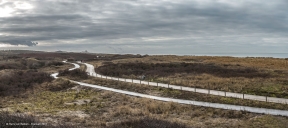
274, 55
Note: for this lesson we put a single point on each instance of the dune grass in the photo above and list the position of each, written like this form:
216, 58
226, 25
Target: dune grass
60, 103
256, 76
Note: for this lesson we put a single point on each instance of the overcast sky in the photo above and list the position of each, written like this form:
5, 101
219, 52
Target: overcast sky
145, 26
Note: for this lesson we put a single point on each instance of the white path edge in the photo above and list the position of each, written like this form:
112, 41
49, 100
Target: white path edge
91, 71
75, 67
190, 102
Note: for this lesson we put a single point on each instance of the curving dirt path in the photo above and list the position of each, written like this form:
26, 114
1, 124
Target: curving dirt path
191, 102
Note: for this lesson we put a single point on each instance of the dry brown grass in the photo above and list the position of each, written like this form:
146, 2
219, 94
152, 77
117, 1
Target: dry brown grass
49, 66
107, 109
165, 92
82, 67
274, 86
53, 69
263, 63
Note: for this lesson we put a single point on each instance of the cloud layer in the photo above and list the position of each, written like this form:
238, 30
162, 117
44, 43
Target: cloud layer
133, 25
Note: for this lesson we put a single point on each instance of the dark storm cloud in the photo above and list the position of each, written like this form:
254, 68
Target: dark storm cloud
145, 21
30, 24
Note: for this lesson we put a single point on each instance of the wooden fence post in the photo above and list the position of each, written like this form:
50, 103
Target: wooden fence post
208, 88
267, 96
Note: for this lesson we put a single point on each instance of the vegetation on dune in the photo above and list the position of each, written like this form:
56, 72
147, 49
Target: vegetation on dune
168, 92
165, 69
255, 62
7, 120
77, 56
24, 64
54, 55
60, 101
20, 81
59, 85
12, 66
17, 120
147, 123
267, 77
77, 73
107, 109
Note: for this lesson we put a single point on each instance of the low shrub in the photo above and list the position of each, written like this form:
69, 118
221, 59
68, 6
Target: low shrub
166, 69
54, 63
20, 81
18, 120
12, 66
77, 73
147, 123
60, 84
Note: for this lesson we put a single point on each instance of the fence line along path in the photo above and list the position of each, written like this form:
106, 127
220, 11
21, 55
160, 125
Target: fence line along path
91, 71
191, 102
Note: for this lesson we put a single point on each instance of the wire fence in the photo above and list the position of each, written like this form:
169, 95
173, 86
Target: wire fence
197, 103
198, 90
191, 102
